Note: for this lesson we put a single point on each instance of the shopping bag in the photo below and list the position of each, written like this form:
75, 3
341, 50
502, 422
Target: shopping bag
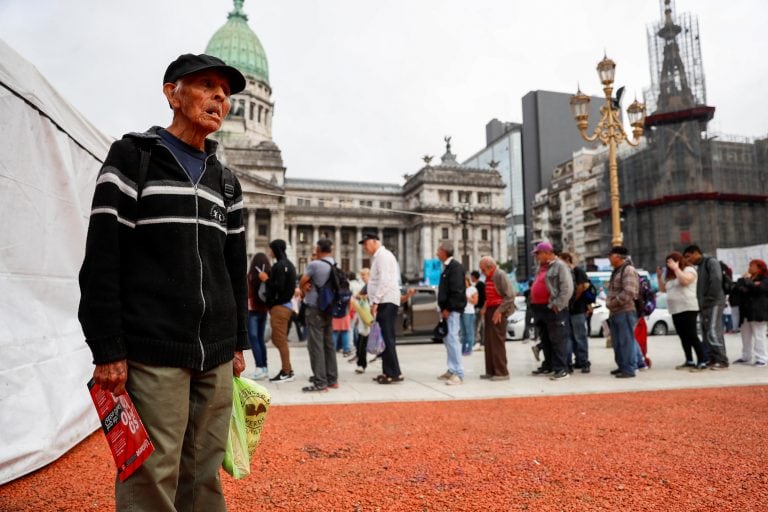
375, 344
250, 403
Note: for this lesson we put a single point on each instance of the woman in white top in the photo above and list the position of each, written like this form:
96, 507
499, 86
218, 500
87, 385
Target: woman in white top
468, 319
679, 282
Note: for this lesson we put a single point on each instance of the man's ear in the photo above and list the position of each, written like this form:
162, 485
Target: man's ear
168, 89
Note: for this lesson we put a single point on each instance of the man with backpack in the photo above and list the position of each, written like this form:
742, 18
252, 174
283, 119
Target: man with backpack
623, 288
709, 292
384, 296
280, 285
322, 352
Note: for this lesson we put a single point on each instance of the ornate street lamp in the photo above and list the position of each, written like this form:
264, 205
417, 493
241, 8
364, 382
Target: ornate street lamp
464, 215
610, 131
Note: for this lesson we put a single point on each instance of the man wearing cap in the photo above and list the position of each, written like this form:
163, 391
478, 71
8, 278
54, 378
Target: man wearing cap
550, 295
451, 299
384, 296
623, 287
500, 297
163, 291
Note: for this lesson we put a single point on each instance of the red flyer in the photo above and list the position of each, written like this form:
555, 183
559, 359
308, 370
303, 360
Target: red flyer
126, 435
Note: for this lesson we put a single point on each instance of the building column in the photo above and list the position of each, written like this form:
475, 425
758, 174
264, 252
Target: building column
250, 236
315, 236
292, 235
475, 263
358, 249
401, 249
504, 256
426, 243
337, 243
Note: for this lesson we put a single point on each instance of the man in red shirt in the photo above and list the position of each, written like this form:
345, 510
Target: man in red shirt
499, 304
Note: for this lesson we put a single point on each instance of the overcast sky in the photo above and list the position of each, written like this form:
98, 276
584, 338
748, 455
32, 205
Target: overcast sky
364, 88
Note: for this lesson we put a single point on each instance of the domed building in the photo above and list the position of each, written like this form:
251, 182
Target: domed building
411, 220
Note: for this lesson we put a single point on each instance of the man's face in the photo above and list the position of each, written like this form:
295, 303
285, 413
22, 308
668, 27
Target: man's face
368, 247
693, 257
543, 257
202, 101
616, 260
486, 270
441, 254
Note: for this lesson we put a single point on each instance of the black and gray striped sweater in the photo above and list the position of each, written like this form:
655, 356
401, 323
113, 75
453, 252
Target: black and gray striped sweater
163, 281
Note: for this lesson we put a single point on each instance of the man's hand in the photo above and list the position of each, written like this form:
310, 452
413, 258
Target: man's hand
496, 318
238, 363
263, 276
112, 376
445, 314
555, 309
374, 310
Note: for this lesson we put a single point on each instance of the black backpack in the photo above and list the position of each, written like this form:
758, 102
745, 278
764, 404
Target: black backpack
645, 303
726, 277
333, 297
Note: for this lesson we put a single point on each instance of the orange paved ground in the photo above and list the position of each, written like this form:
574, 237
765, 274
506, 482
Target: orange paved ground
700, 449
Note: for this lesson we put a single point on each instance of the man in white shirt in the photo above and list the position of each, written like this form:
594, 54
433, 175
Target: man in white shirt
384, 297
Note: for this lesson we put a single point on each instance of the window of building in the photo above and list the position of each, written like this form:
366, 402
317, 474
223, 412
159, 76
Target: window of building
484, 197
260, 110
253, 108
444, 196
465, 197
484, 235
366, 203
303, 202
386, 204
303, 237
262, 230
445, 233
345, 237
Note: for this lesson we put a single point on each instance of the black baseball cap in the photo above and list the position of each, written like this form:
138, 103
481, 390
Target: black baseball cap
368, 236
188, 63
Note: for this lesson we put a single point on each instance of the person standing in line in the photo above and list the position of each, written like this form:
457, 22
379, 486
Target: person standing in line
384, 297
500, 303
363, 330
551, 317
709, 292
577, 332
280, 282
451, 299
752, 289
479, 284
468, 319
258, 312
322, 352
163, 290
623, 287
678, 281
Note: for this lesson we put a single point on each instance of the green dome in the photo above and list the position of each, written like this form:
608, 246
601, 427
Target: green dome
237, 45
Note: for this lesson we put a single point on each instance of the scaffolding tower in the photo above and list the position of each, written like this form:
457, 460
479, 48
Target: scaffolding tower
686, 27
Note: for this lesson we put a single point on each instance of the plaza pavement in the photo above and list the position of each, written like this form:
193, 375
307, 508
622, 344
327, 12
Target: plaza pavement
421, 363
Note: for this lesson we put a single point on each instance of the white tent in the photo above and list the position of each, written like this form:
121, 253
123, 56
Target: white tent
49, 160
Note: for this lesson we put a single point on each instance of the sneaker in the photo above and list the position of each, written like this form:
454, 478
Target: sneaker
536, 349
741, 360
700, 367
447, 375
644, 368
335, 385
314, 389
615, 372
541, 371
496, 378
586, 369
359, 369
718, 366
486, 376
347, 353
478, 347
283, 377
760, 364
686, 365
562, 374
454, 380
622, 375
260, 373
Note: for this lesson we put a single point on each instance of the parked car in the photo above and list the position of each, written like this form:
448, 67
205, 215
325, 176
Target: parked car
516, 328
419, 314
659, 322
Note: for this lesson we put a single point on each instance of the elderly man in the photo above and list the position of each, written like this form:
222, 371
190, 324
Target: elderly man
163, 288
550, 294
451, 299
623, 288
384, 296
499, 304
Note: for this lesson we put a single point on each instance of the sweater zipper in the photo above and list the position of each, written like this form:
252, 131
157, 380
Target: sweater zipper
197, 248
